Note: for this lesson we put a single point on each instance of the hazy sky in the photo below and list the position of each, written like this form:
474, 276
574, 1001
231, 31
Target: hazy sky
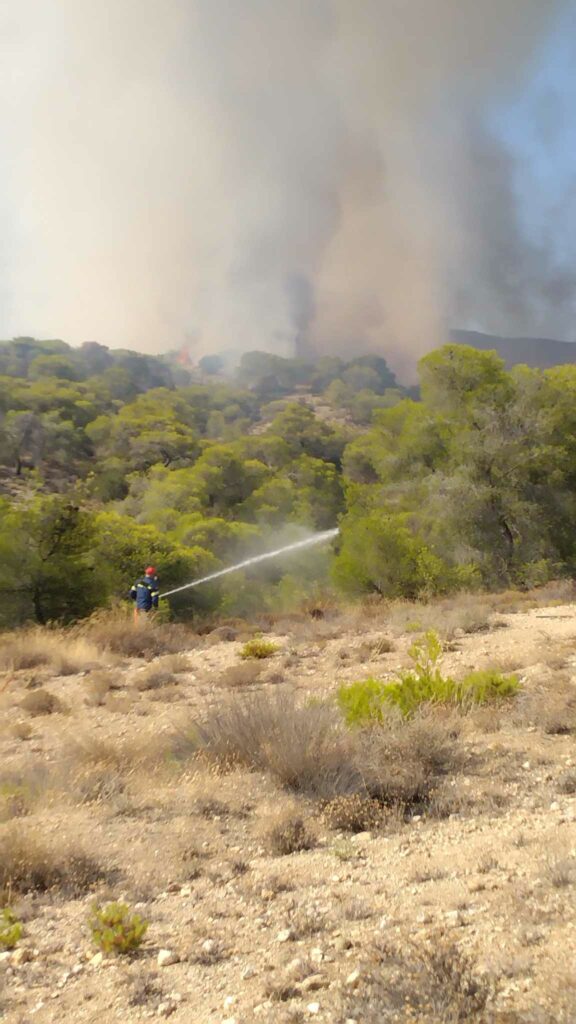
287, 174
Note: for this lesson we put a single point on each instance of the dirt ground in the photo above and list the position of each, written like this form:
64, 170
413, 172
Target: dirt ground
238, 934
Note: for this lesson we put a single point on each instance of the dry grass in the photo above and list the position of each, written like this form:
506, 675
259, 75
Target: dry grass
431, 984
245, 674
449, 617
550, 705
354, 812
304, 748
41, 702
118, 632
286, 832
154, 677
28, 864
98, 686
64, 653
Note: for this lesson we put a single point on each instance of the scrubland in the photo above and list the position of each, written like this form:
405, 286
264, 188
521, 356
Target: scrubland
280, 862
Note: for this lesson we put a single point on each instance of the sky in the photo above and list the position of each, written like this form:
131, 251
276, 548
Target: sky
291, 175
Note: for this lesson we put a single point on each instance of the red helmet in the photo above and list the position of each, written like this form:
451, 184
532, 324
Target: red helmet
150, 571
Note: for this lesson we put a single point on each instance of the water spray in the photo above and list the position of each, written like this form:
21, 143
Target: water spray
319, 538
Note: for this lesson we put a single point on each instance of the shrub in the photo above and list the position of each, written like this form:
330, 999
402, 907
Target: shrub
370, 700
304, 747
240, 675
63, 653
10, 929
146, 638
116, 929
287, 833
153, 678
98, 685
28, 865
353, 812
425, 983
40, 702
258, 648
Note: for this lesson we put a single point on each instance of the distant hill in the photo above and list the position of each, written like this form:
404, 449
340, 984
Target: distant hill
538, 352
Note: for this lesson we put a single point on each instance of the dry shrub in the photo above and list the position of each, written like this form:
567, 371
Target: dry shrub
567, 783
128, 755
244, 674
550, 705
450, 616
307, 921
286, 832
432, 984
177, 664
403, 762
98, 685
21, 730
353, 812
144, 638
561, 871
64, 653
152, 678
19, 793
28, 864
41, 702
305, 748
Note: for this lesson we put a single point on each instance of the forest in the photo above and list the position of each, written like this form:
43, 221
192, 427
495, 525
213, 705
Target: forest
110, 460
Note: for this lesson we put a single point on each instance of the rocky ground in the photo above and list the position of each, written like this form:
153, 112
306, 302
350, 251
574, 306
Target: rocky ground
463, 911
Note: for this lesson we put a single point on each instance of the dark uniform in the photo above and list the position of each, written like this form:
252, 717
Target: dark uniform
145, 593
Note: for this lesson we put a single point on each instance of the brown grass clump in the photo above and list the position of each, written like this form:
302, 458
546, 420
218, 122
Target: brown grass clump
432, 984
27, 864
551, 706
287, 833
450, 616
305, 748
64, 653
153, 678
245, 674
353, 812
40, 702
98, 685
118, 632
402, 763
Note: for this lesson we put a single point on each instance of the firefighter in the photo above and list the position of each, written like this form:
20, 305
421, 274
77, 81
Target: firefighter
145, 592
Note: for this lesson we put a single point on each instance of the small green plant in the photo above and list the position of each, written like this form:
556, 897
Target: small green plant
115, 929
369, 700
258, 648
10, 929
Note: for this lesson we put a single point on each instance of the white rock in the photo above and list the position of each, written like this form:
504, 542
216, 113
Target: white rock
313, 1008
316, 955
248, 972
229, 1001
97, 959
285, 935
167, 957
353, 979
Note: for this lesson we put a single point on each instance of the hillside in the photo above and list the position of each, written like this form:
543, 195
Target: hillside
542, 353
457, 905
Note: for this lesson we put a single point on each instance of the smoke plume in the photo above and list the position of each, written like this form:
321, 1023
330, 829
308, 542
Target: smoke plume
277, 174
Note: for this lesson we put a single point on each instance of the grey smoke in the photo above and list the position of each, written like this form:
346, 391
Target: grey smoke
278, 174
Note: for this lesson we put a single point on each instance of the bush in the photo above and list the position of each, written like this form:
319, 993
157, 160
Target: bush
153, 678
353, 812
118, 632
370, 700
10, 929
305, 748
63, 653
258, 648
28, 865
115, 929
40, 702
287, 834
240, 675
425, 983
